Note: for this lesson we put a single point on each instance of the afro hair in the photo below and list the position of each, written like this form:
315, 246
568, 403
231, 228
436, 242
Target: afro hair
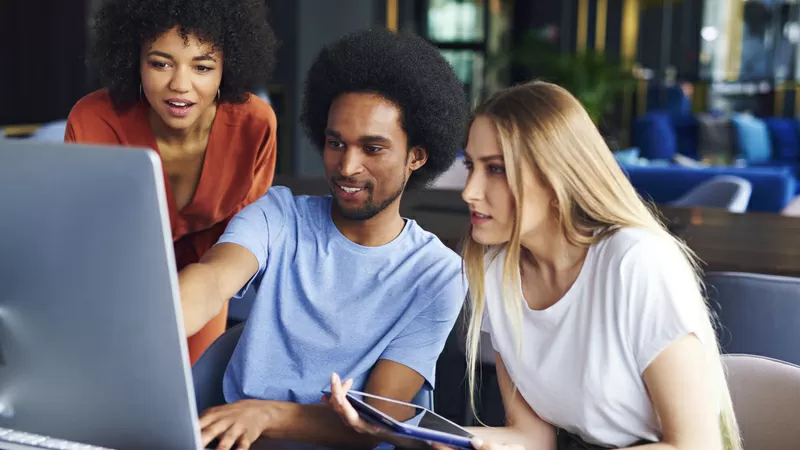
404, 69
238, 28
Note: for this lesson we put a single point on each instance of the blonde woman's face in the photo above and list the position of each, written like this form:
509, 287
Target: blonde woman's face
488, 194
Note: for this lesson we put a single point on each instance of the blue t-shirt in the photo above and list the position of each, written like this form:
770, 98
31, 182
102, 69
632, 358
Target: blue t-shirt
325, 304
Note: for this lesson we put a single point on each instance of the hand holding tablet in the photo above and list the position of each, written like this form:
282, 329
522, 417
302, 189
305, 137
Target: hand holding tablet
411, 424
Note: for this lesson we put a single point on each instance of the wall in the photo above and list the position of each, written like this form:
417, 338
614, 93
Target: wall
43, 45
321, 22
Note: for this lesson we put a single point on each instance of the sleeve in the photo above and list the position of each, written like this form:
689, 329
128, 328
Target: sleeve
663, 301
264, 167
419, 345
257, 226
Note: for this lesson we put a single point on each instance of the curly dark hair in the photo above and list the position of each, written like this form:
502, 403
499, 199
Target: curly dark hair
238, 28
404, 69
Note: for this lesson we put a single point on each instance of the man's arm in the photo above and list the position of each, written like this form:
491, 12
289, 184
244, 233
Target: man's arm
206, 286
320, 425
317, 424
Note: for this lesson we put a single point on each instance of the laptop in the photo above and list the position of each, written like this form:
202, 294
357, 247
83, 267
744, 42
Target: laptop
92, 347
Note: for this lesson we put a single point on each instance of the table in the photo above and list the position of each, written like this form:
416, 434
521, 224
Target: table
751, 242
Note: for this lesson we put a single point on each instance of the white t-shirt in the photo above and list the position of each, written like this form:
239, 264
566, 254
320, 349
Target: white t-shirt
582, 360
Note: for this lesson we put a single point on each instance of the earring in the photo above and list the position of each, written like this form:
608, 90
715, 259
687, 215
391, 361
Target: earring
140, 92
218, 95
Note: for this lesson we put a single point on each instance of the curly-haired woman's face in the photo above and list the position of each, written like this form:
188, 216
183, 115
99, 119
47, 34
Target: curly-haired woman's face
366, 155
180, 78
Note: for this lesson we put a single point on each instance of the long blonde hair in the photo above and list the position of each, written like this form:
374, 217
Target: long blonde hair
543, 127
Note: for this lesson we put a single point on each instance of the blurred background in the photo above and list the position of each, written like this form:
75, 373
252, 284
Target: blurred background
622, 58
698, 100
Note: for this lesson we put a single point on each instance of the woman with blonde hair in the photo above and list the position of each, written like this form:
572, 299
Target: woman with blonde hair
596, 313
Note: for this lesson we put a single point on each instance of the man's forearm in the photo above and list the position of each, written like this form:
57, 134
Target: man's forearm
315, 424
199, 297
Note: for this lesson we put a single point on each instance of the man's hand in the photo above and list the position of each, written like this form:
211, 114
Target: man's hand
238, 424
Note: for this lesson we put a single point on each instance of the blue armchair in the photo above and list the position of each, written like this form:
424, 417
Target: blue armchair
758, 314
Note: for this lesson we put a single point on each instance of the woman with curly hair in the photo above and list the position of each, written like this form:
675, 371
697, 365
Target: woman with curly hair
177, 75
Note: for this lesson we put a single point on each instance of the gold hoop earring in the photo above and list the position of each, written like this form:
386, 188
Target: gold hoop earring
218, 95
140, 92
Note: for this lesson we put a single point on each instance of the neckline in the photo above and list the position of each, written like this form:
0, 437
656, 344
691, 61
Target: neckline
336, 235
202, 183
553, 314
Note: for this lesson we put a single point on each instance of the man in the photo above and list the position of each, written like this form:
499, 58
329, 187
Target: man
343, 283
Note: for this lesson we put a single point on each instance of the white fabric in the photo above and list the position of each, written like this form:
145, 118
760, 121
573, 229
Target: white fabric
582, 360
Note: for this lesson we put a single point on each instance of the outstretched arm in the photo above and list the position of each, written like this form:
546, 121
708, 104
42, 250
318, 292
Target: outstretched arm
206, 286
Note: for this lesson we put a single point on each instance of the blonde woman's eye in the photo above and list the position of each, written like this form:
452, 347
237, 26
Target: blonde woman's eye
497, 169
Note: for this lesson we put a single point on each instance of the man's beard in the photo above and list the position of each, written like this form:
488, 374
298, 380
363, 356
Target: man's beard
370, 209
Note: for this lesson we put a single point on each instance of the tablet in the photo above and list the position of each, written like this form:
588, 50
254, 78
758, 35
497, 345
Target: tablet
414, 422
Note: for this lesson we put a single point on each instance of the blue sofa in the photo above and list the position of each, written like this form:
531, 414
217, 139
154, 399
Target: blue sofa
760, 142
773, 187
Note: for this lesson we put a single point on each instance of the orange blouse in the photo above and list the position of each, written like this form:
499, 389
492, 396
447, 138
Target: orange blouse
238, 169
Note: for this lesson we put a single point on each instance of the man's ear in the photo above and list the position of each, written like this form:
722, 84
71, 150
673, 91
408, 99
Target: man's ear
417, 157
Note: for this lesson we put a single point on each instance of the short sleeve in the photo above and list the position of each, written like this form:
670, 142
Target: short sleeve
257, 226
419, 345
663, 300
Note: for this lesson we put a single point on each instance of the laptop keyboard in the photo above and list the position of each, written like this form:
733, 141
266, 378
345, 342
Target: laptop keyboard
23, 440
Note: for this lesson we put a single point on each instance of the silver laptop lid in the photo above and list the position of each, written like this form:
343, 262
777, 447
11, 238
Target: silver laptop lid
92, 347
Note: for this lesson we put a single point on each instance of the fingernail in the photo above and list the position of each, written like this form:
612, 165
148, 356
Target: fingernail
336, 378
477, 442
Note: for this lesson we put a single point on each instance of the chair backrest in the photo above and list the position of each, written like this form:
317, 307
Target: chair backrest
52, 132
729, 192
766, 400
793, 208
758, 314
486, 353
209, 371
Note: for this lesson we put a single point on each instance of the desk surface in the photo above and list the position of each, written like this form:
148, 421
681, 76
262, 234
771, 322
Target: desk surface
752, 242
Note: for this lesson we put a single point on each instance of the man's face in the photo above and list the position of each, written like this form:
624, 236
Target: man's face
366, 155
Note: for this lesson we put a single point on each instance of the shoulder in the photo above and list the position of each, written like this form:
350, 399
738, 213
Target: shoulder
639, 250
439, 269
644, 270
94, 119
96, 104
434, 250
255, 117
278, 200
279, 204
